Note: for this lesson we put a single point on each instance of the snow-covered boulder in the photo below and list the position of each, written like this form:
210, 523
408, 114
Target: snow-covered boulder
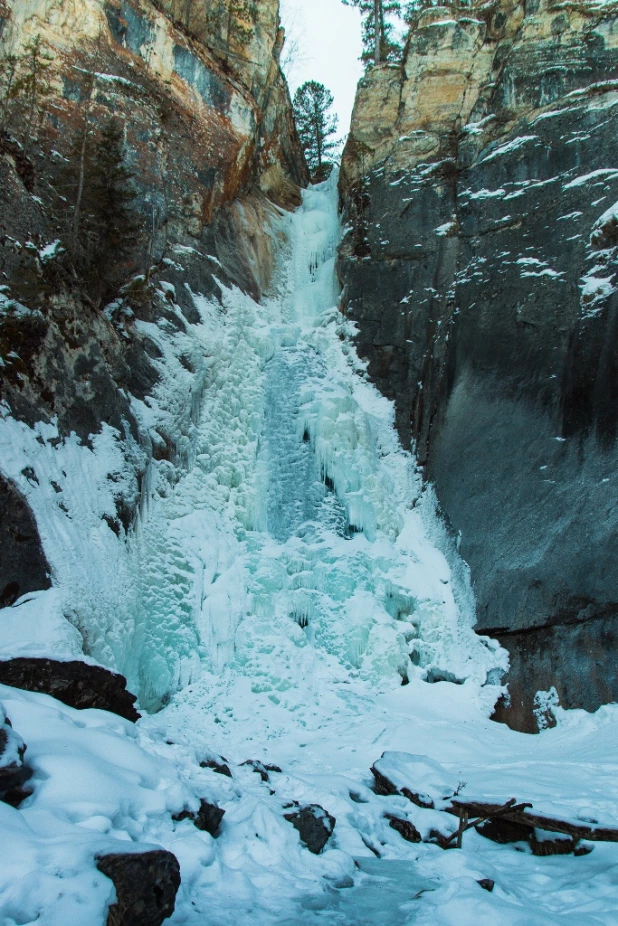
314, 824
420, 779
13, 772
208, 818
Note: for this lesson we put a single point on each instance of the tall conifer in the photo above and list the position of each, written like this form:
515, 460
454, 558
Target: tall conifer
314, 123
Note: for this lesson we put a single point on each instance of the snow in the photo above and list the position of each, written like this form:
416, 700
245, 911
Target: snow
603, 173
537, 268
35, 626
510, 146
427, 778
488, 194
284, 594
50, 251
444, 230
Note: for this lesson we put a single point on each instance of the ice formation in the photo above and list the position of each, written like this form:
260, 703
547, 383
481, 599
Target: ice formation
291, 527
286, 595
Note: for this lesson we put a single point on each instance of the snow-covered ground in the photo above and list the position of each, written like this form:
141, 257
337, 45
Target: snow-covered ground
287, 595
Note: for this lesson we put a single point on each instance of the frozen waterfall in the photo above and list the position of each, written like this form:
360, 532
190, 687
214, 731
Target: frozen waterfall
300, 545
288, 546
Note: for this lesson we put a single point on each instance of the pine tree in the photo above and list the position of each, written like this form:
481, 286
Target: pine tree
379, 44
314, 123
103, 227
9, 65
413, 8
110, 218
32, 87
232, 21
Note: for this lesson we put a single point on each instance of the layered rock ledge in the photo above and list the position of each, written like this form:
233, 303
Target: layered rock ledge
480, 189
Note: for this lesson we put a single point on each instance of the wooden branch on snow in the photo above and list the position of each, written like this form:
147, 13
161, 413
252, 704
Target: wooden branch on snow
518, 813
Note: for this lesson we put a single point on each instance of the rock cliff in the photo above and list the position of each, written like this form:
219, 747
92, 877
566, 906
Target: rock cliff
480, 264
208, 136
210, 139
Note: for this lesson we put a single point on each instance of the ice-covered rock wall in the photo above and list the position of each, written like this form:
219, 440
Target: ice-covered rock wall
479, 264
101, 397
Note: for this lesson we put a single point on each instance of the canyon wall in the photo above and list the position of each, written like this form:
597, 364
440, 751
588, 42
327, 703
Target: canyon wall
111, 347
480, 263
212, 147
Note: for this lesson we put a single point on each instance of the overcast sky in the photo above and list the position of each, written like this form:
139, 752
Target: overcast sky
329, 45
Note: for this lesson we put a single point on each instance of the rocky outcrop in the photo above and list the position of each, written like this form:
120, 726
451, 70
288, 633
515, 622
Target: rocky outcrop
209, 138
480, 266
23, 566
75, 683
146, 886
200, 132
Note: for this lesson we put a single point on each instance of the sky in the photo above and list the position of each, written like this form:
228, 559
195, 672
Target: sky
328, 35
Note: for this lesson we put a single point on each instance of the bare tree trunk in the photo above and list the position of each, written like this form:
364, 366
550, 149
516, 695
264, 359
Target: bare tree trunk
228, 35
82, 164
377, 19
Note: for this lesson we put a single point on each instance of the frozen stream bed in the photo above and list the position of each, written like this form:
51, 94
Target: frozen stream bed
287, 597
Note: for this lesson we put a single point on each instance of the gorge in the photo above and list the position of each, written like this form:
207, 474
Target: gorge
313, 471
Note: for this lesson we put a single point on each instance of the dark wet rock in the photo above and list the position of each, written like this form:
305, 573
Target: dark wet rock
382, 785
221, 767
543, 843
14, 773
74, 683
405, 828
23, 565
504, 831
487, 884
208, 818
146, 885
314, 824
262, 769
537, 660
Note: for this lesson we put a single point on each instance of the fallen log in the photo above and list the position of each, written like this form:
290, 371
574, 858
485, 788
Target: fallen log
465, 823
520, 814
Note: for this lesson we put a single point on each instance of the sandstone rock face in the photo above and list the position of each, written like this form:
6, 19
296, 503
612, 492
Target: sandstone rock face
480, 186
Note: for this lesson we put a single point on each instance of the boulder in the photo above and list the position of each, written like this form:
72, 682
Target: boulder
419, 778
208, 818
487, 884
146, 885
261, 769
220, 766
314, 824
405, 828
13, 771
74, 683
